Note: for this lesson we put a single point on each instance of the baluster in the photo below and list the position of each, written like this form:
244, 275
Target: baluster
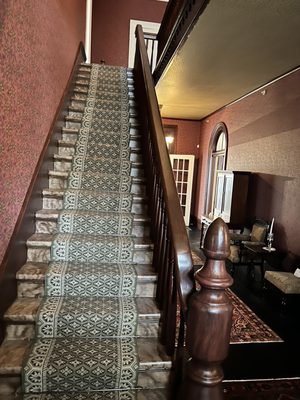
209, 319
168, 333
162, 256
158, 223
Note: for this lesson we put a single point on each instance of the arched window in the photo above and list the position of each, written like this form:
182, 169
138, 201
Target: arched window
217, 158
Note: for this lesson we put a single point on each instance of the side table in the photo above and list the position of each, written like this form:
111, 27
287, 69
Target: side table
258, 254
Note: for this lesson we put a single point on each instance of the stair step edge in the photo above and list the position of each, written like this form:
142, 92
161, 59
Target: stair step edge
37, 271
64, 175
151, 355
25, 309
60, 192
45, 240
47, 214
64, 157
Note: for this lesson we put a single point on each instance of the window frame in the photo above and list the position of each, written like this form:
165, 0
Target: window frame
211, 170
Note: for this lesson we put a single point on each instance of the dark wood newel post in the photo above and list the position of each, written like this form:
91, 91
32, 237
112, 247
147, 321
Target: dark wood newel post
209, 319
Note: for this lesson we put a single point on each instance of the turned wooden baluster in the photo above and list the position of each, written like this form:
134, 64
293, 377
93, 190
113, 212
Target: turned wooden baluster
209, 319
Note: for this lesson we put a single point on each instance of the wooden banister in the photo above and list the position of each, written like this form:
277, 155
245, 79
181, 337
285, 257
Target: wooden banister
168, 192
201, 320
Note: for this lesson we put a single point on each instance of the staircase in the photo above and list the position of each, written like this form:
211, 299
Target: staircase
85, 323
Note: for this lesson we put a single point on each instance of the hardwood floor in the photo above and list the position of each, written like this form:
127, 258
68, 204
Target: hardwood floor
258, 360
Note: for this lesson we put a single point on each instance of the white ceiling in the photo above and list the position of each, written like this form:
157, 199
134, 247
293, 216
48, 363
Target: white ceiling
235, 47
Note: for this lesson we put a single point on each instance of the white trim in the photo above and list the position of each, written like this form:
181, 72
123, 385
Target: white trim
148, 27
261, 88
88, 30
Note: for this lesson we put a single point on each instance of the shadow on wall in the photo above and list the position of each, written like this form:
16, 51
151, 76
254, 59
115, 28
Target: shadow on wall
265, 201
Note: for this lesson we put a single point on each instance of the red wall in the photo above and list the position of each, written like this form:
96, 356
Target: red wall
187, 138
264, 138
187, 142
110, 29
38, 44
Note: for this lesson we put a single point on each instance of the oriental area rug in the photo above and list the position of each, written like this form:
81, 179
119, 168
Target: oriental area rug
247, 327
275, 389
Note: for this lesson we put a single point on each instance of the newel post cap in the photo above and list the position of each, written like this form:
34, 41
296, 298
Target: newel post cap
217, 240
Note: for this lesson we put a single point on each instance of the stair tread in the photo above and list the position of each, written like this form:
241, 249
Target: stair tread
77, 118
25, 309
45, 240
36, 271
60, 193
141, 394
70, 158
65, 174
151, 355
72, 143
75, 131
53, 214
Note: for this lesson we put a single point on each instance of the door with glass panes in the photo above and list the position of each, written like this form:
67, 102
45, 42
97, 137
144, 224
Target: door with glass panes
183, 170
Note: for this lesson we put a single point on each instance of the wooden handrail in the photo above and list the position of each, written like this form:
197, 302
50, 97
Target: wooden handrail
177, 231
201, 319
178, 21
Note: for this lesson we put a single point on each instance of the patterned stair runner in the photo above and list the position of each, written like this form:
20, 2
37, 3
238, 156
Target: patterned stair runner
86, 323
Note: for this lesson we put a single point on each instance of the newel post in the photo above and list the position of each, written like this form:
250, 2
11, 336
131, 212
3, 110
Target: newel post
209, 319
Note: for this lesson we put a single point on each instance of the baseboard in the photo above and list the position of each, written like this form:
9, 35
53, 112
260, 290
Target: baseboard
16, 252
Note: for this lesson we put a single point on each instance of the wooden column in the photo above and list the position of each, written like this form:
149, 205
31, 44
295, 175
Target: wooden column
209, 319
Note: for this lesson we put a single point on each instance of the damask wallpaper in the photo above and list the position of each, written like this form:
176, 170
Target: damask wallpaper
38, 44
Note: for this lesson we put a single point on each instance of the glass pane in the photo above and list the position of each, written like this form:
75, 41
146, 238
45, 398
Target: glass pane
220, 162
221, 142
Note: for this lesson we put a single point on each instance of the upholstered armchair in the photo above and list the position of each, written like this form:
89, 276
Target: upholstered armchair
257, 235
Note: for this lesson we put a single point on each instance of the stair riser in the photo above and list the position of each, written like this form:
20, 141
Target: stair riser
55, 203
83, 96
61, 183
153, 378
22, 331
65, 166
77, 125
42, 254
79, 104
84, 80
82, 93
9, 385
87, 69
73, 136
32, 288
78, 113
68, 149
84, 87
140, 229
81, 101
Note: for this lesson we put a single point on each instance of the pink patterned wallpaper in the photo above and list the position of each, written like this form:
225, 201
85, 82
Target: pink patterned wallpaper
264, 138
38, 44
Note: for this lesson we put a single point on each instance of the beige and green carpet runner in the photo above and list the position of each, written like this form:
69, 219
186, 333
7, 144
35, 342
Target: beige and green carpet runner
85, 344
